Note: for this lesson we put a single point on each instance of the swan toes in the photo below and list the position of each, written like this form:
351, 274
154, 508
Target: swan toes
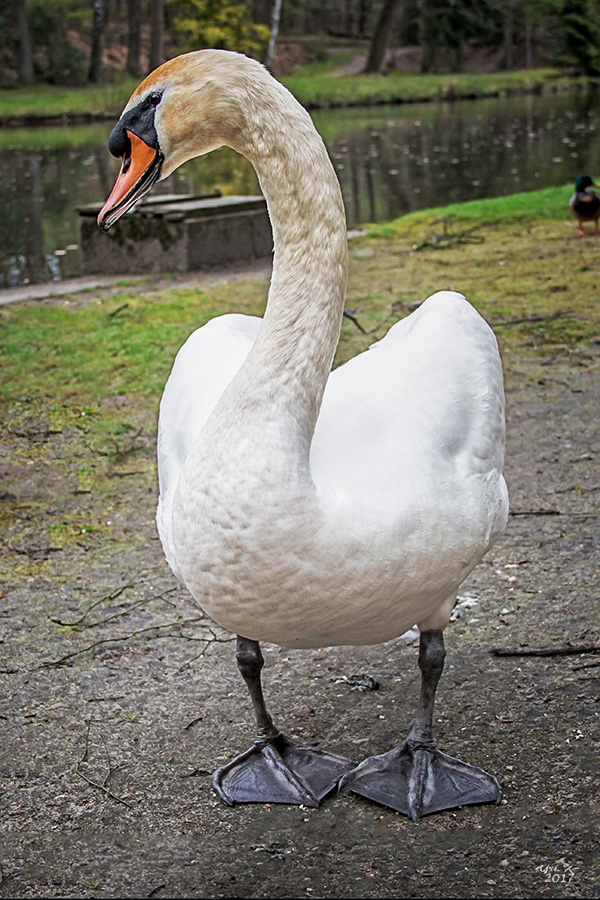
417, 779
280, 772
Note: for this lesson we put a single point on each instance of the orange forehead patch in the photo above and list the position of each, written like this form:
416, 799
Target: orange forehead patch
163, 71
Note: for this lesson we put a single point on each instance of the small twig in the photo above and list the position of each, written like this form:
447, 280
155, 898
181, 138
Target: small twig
110, 596
118, 453
213, 639
24, 516
354, 320
193, 722
568, 650
101, 785
535, 512
349, 314
448, 238
119, 309
129, 609
4, 878
105, 699
533, 318
578, 488
114, 640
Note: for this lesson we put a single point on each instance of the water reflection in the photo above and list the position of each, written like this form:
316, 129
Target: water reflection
390, 161
434, 154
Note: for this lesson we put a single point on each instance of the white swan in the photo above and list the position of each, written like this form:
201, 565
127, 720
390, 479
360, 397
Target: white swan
301, 506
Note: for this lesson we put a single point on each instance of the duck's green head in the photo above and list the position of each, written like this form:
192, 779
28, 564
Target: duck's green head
582, 182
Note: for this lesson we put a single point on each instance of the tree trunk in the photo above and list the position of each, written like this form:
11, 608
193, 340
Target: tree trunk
427, 36
508, 60
157, 33
95, 73
457, 65
274, 35
379, 42
25, 56
363, 9
134, 22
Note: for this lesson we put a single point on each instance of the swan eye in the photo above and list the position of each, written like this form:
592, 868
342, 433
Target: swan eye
154, 98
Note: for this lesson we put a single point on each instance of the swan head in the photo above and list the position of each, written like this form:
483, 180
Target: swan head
187, 107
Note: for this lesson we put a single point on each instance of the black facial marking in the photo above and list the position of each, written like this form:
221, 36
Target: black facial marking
139, 121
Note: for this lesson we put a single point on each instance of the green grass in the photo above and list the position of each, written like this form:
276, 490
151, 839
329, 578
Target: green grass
49, 100
548, 203
82, 353
312, 86
325, 90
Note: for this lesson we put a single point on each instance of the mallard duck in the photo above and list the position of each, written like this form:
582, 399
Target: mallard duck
301, 506
585, 204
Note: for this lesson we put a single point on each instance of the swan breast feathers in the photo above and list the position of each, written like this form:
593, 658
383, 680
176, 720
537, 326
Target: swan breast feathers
203, 367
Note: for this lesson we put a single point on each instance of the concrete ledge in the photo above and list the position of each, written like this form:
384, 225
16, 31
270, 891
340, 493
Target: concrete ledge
177, 233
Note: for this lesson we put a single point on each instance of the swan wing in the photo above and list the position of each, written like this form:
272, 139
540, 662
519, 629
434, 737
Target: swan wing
203, 368
417, 421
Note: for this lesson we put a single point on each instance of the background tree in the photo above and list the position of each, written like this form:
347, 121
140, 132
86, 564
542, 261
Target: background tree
98, 23
57, 59
581, 36
134, 38
157, 33
381, 36
60, 41
274, 34
508, 30
223, 24
427, 36
24, 52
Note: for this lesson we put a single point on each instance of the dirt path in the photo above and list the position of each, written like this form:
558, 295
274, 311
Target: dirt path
106, 756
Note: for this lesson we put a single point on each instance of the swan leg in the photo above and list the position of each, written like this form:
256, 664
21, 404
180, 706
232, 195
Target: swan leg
274, 769
416, 778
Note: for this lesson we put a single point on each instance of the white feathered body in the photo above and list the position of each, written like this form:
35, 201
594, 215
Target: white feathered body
300, 506
352, 538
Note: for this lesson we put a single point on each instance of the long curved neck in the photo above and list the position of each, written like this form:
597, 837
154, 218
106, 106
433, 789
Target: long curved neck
286, 371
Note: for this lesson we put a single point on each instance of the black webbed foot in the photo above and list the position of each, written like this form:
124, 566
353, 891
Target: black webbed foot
417, 779
279, 771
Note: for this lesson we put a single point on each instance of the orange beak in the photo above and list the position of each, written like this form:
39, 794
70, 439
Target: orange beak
140, 169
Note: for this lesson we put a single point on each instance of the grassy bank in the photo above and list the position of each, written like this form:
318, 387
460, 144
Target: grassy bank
49, 102
313, 90
325, 90
528, 206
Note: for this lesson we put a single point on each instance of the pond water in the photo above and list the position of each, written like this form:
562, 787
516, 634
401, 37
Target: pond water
390, 160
